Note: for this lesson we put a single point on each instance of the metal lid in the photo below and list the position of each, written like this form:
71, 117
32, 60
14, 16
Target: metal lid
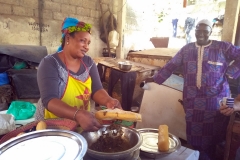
150, 140
51, 144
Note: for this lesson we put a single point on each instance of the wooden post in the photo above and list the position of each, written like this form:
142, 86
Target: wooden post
184, 3
121, 20
230, 20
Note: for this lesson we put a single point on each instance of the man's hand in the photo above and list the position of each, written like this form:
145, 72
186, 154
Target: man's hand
225, 110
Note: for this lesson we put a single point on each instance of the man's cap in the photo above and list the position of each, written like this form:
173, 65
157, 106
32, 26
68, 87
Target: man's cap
206, 22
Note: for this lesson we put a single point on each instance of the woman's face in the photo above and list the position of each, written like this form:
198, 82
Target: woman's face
79, 44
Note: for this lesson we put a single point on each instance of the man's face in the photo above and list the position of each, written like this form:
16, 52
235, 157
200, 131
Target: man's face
202, 34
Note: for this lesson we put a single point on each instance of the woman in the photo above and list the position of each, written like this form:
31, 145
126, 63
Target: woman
69, 78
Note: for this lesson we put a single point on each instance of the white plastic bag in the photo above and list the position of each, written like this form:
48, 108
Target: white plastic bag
7, 123
113, 38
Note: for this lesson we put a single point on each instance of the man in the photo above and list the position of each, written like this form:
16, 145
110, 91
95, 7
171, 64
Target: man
174, 23
189, 25
206, 65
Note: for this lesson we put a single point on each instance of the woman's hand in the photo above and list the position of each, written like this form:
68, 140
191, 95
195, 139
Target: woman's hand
113, 103
102, 97
225, 110
87, 121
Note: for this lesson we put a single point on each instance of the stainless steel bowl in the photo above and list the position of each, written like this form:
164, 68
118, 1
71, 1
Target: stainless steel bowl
132, 135
125, 66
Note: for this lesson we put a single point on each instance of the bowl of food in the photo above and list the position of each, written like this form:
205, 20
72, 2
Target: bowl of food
125, 65
112, 142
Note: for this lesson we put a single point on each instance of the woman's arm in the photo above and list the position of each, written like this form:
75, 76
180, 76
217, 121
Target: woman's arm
99, 95
48, 80
102, 97
84, 118
61, 109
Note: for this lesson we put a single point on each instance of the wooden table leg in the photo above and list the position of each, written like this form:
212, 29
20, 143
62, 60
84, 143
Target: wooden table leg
229, 136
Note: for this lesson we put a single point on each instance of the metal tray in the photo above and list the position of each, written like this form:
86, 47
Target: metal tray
67, 143
150, 140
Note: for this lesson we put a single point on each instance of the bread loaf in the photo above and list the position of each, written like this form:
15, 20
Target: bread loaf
111, 114
163, 138
41, 126
21, 133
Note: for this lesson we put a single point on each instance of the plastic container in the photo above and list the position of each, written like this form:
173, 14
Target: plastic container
4, 79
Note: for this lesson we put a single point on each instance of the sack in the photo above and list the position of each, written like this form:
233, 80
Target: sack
6, 93
7, 123
21, 110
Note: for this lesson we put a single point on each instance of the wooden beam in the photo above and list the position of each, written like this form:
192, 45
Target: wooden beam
230, 20
121, 20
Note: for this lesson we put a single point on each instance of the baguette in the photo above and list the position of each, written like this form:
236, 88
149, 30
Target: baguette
163, 138
112, 114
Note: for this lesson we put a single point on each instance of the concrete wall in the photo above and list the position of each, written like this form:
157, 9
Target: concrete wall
38, 22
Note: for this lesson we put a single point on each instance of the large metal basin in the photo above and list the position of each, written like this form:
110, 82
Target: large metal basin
45, 144
132, 135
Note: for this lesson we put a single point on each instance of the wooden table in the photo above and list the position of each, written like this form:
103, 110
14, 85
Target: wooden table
156, 56
113, 63
130, 80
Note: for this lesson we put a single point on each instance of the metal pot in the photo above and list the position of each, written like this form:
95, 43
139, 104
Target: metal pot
132, 135
45, 144
125, 66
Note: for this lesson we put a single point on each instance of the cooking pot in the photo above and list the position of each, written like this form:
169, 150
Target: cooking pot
131, 135
45, 144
